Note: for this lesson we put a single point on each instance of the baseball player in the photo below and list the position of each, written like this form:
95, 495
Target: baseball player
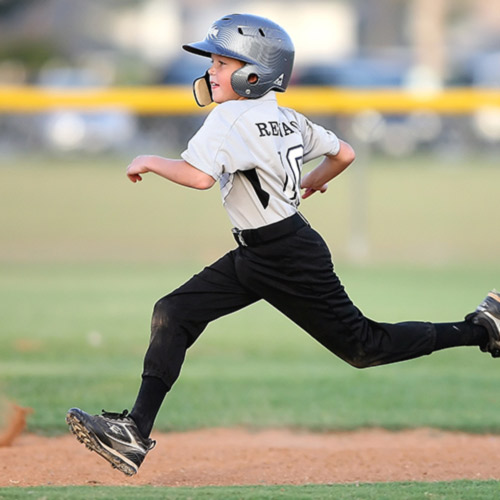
255, 149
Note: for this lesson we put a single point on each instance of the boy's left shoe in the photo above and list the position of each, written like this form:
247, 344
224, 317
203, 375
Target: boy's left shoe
114, 436
487, 314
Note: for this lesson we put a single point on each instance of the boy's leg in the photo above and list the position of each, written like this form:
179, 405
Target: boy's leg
180, 317
148, 403
178, 320
307, 290
461, 333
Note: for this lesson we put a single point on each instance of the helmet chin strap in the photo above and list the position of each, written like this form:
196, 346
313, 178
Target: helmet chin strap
202, 90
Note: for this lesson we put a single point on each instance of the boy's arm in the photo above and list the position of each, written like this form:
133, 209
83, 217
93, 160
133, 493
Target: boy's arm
177, 171
328, 169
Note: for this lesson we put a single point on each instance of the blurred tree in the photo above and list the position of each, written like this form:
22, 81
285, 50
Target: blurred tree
33, 54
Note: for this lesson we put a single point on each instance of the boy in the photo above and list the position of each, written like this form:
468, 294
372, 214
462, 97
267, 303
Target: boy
255, 149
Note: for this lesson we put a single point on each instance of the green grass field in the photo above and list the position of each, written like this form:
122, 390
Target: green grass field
84, 254
459, 490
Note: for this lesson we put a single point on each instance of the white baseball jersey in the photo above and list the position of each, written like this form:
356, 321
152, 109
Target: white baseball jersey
256, 149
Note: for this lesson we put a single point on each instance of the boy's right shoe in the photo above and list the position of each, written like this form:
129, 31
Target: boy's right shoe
114, 436
487, 314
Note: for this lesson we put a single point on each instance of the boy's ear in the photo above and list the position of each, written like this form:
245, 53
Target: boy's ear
202, 90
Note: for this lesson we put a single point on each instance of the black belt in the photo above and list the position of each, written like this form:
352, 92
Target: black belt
265, 234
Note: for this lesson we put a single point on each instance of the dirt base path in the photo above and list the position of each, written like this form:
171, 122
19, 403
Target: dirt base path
242, 457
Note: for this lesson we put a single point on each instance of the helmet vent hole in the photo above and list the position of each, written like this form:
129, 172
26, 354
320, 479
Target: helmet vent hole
261, 31
252, 78
240, 31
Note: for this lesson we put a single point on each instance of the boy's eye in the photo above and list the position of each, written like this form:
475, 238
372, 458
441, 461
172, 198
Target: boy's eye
218, 62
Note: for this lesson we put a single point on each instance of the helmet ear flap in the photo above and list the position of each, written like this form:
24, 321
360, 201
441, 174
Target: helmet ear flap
202, 90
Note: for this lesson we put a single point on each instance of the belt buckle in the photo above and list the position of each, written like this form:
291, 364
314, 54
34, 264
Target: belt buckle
238, 234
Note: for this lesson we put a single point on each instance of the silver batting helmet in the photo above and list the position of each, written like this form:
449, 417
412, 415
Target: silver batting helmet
265, 47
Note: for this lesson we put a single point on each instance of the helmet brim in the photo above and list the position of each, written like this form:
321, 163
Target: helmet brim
206, 49
195, 48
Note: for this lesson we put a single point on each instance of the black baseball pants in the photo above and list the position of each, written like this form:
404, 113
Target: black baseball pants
295, 274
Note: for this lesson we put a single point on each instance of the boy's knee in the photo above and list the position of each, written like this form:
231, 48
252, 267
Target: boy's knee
360, 362
170, 312
361, 359
172, 321
162, 312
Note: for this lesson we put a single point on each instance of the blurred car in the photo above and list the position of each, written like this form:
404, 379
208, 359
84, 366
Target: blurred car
393, 134
183, 70
360, 72
77, 130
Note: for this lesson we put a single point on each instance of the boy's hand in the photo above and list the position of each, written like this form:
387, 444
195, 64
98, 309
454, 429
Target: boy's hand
136, 168
310, 191
331, 166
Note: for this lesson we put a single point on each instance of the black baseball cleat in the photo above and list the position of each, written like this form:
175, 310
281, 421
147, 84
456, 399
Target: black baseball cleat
487, 314
114, 436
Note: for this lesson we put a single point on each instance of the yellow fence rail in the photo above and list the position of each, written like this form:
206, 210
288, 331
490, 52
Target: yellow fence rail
179, 100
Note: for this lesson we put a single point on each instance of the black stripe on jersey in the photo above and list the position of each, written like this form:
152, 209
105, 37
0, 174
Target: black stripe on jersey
253, 178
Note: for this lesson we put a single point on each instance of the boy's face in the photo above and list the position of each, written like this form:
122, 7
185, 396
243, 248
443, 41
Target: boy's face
220, 78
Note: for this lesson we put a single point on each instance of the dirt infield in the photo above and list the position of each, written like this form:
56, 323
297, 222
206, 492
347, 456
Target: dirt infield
243, 457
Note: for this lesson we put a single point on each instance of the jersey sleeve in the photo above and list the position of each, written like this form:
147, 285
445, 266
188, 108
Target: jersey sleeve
217, 147
318, 141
